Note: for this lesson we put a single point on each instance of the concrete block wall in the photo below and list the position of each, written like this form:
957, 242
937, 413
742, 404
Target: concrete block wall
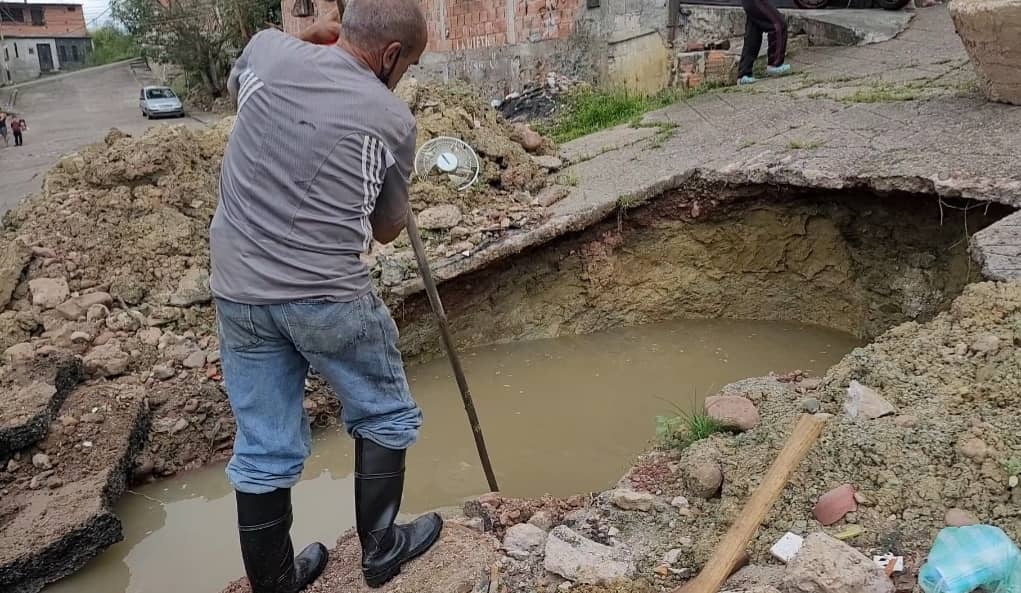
503, 45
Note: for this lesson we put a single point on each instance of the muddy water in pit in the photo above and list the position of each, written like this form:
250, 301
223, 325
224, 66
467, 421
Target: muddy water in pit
561, 416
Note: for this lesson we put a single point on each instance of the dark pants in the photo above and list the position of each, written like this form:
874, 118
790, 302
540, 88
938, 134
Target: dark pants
17, 139
762, 17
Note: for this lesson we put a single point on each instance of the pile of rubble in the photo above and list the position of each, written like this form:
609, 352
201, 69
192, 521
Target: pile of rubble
109, 266
515, 161
924, 434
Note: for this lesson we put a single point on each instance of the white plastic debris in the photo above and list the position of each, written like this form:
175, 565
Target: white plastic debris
787, 547
885, 560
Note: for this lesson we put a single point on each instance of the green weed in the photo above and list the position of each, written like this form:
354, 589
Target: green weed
1012, 466
593, 110
803, 145
885, 93
684, 428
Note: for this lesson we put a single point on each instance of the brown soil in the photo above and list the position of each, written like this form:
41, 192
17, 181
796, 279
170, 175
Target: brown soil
856, 262
459, 563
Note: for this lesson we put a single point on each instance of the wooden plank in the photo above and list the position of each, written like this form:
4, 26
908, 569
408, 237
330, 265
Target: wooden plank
728, 553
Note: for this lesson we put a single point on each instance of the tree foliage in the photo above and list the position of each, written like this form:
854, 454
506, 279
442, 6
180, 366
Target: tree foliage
110, 44
199, 36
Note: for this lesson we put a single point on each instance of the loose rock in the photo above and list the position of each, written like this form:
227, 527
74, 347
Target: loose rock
523, 539
631, 500
542, 520
865, 402
439, 217
97, 312
828, 565
548, 162
529, 139
960, 518
48, 292
13, 260
835, 504
987, 344
192, 289
810, 405
703, 475
974, 449
163, 372
41, 461
107, 360
582, 560
195, 360
733, 412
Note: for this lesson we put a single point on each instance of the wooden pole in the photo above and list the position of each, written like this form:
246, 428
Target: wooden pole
730, 550
448, 344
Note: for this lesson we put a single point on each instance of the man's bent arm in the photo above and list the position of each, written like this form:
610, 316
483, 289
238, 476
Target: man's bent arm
391, 212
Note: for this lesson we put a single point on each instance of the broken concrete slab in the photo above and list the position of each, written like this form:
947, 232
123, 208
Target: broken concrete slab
828, 565
991, 32
997, 249
459, 562
50, 532
848, 27
579, 559
33, 392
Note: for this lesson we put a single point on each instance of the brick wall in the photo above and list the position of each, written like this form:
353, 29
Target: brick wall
502, 45
457, 25
61, 20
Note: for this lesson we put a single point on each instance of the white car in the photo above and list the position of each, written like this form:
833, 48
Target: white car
160, 101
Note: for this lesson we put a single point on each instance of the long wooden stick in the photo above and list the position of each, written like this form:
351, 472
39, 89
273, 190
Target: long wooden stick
448, 344
728, 553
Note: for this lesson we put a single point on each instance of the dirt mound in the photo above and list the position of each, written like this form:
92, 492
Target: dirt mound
954, 442
459, 562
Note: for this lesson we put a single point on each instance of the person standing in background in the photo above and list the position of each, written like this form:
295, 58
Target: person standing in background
3, 128
763, 17
18, 127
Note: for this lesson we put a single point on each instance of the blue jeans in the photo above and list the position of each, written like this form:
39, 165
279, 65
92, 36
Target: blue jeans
266, 351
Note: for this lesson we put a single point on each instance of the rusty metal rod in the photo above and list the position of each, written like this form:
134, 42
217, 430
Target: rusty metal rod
448, 344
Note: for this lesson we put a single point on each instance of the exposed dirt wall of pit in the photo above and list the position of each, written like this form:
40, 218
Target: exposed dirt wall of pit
860, 263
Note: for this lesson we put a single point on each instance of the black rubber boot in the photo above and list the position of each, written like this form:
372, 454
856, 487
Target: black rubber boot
264, 524
379, 484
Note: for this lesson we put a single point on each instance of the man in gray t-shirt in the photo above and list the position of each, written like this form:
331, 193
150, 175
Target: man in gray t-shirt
317, 166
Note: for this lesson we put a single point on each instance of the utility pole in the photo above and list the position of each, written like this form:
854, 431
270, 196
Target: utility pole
5, 71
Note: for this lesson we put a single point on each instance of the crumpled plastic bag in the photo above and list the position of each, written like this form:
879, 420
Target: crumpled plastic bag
964, 559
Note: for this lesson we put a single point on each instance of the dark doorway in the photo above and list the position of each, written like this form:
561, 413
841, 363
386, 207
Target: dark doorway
45, 57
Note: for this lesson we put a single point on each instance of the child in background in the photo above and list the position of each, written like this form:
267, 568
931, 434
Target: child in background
18, 127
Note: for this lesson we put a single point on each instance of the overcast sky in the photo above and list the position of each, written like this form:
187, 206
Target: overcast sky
96, 10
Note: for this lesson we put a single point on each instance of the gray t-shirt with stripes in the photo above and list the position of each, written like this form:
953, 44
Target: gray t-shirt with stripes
320, 150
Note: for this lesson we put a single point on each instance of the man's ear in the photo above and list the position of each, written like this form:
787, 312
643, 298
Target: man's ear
391, 54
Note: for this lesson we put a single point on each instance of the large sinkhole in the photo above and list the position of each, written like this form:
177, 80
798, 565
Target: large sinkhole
591, 335
853, 261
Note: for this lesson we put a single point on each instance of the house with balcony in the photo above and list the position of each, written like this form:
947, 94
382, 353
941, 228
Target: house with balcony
39, 37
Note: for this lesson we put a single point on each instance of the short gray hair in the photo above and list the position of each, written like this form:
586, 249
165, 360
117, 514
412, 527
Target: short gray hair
373, 24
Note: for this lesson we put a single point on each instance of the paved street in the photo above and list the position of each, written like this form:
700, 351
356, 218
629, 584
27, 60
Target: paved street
65, 114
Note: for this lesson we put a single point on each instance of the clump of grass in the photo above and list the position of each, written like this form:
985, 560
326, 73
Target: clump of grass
803, 145
686, 428
591, 110
1012, 466
885, 93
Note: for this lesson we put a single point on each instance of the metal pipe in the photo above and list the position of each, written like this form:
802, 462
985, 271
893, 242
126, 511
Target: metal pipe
448, 344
